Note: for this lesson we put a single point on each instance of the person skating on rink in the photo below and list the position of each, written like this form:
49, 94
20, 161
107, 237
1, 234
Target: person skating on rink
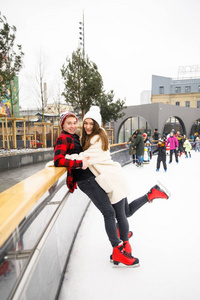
109, 194
187, 146
161, 150
148, 145
139, 145
155, 135
79, 175
179, 137
197, 145
132, 151
173, 142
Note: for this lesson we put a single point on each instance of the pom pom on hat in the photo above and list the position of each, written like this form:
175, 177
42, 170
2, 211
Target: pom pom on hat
94, 113
144, 134
66, 114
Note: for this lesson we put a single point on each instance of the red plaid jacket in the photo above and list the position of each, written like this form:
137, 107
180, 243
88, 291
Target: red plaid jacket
63, 145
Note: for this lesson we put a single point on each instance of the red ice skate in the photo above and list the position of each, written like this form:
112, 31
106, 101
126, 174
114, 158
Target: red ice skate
156, 192
120, 256
126, 248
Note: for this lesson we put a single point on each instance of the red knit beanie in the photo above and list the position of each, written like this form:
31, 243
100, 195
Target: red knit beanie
66, 114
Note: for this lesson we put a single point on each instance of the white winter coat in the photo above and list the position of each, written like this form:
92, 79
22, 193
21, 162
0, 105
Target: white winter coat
187, 146
108, 173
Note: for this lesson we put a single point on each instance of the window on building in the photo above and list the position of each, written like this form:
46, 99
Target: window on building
188, 89
161, 89
130, 125
177, 89
174, 123
198, 103
177, 103
187, 103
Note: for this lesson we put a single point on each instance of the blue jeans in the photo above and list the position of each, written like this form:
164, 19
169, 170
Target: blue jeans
140, 159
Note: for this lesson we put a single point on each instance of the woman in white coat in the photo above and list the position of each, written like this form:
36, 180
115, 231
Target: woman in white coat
79, 174
108, 174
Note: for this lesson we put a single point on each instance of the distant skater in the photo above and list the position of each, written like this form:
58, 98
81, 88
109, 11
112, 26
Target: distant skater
187, 147
173, 142
161, 149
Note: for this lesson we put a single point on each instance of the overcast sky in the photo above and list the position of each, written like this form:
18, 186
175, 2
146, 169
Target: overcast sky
129, 40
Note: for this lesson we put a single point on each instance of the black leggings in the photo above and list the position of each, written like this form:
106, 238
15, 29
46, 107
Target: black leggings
176, 155
119, 211
163, 159
131, 208
125, 210
100, 199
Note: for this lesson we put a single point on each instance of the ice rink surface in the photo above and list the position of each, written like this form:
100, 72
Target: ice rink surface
166, 239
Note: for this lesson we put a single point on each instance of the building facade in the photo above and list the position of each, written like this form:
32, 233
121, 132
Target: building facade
145, 97
179, 92
164, 117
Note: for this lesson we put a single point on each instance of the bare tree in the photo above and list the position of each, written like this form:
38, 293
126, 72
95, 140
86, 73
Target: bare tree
39, 84
57, 98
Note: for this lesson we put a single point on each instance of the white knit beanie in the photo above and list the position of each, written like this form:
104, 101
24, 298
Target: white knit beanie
93, 113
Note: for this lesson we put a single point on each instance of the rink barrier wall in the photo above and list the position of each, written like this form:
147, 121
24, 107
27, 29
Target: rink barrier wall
39, 221
19, 158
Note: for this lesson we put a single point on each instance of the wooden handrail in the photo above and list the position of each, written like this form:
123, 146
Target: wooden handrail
113, 145
18, 200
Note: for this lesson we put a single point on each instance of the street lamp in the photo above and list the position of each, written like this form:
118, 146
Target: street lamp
82, 35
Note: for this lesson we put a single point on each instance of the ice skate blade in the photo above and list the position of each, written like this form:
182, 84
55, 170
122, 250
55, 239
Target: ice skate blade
121, 265
161, 185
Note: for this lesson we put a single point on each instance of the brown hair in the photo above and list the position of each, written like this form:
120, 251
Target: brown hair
85, 139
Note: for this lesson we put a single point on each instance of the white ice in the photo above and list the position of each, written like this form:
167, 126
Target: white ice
166, 239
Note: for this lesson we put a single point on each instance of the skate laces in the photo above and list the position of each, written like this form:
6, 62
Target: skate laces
120, 246
128, 255
121, 249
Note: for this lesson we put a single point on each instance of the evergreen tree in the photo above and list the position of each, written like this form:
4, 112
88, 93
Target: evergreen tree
10, 60
84, 87
110, 110
83, 82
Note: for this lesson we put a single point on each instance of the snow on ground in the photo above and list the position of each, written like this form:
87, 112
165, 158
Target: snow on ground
166, 239
10, 152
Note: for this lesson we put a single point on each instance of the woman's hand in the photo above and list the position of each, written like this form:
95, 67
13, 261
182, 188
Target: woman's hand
85, 163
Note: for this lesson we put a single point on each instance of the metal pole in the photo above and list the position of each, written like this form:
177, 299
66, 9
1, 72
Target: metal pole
83, 37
